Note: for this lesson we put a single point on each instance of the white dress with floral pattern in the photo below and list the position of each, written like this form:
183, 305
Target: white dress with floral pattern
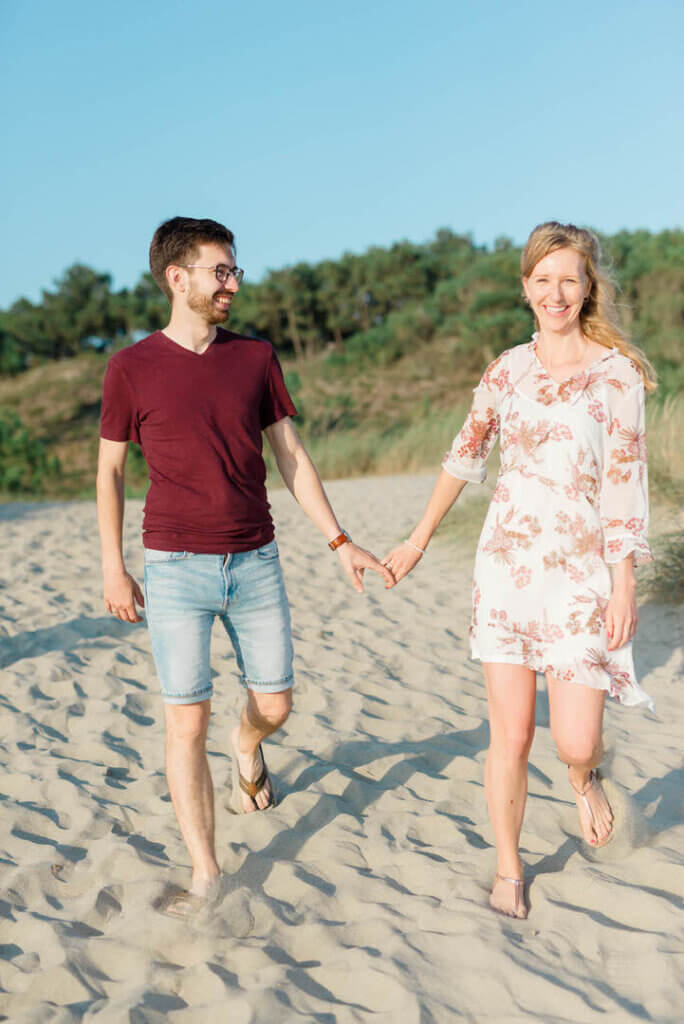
571, 500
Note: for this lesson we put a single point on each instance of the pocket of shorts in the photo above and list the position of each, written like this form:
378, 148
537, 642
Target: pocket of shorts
268, 551
153, 557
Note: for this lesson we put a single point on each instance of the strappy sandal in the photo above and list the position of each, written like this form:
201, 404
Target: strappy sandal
242, 785
594, 780
519, 884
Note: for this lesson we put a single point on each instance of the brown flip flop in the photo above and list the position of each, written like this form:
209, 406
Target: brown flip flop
179, 903
242, 785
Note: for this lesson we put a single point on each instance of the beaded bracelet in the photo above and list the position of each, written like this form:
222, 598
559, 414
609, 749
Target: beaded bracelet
414, 546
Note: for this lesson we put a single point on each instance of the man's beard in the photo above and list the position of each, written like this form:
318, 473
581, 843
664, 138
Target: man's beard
207, 308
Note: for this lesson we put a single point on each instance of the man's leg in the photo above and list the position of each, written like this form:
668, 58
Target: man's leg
257, 620
190, 785
262, 715
182, 595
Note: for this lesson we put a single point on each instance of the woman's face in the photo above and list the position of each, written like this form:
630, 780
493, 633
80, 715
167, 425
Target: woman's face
556, 290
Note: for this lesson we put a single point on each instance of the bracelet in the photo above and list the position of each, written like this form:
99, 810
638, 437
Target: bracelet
414, 546
339, 540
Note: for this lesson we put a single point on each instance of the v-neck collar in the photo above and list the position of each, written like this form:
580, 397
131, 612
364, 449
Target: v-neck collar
548, 391
566, 380
190, 351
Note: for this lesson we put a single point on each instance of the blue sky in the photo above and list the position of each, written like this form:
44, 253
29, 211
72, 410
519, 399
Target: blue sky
312, 128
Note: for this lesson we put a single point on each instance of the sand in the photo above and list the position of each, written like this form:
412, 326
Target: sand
363, 895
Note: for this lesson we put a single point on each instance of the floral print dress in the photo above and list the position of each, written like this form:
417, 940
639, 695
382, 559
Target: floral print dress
571, 500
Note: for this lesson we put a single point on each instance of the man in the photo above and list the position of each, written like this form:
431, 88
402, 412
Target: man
196, 398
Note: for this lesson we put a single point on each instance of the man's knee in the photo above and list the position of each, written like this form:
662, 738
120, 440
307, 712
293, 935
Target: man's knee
187, 723
271, 708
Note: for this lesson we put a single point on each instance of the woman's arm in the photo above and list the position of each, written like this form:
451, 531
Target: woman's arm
624, 511
404, 557
621, 611
464, 463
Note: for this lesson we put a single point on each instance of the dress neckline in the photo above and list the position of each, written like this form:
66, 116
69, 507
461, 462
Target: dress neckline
579, 373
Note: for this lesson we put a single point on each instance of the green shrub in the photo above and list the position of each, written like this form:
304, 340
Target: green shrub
402, 331
24, 461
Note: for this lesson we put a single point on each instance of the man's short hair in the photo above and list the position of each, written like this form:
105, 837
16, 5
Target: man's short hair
177, 241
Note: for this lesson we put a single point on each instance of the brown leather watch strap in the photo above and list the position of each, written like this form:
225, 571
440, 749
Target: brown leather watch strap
337, 541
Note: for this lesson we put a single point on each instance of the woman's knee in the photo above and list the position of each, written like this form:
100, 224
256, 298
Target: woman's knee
579, 750
514, 741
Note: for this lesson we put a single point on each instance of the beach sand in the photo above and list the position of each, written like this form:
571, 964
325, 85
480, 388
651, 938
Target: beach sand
363, 895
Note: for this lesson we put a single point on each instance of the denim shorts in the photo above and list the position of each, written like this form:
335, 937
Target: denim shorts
184, 592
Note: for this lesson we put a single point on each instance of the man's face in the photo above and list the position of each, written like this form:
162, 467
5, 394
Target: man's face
205, 295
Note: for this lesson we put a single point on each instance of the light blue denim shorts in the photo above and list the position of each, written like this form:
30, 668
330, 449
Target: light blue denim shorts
185, 592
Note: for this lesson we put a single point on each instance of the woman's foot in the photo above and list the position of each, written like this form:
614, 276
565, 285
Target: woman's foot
508, 896
596, 817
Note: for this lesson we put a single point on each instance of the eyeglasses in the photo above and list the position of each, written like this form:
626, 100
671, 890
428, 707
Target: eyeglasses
221, 270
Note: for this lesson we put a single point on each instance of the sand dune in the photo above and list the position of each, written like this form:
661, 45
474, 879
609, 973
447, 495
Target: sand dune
362, 896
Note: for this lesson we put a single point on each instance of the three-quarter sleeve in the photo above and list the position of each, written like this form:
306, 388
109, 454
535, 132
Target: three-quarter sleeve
624, 486
471, 446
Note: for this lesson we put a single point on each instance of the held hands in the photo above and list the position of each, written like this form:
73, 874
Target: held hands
120, 595
356, 560
402, 559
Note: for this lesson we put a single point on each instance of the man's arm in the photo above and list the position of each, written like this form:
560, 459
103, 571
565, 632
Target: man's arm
303, 482
120, 589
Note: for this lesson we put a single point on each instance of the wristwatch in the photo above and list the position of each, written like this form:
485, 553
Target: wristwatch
339, 540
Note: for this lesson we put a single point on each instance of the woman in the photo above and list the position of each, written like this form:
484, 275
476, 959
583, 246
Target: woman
554, 588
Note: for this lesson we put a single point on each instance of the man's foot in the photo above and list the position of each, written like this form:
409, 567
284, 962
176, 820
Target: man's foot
596, 817
177, 902
206, 887
508, 896
252, 786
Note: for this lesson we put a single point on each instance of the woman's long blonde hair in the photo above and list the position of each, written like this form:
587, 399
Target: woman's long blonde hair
599, 318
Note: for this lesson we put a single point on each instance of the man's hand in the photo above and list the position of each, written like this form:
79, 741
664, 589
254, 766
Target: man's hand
401, 560
356, 560
120, 595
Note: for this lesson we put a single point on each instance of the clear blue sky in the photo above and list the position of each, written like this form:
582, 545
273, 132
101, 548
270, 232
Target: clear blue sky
311, 128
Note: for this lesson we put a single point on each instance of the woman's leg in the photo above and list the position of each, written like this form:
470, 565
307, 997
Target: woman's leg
576, 713
511, 693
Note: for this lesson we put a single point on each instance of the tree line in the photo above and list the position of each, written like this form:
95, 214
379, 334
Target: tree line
372, 306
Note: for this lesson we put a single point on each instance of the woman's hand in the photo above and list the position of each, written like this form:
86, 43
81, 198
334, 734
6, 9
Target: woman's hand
401, 560
621, 610
621, 615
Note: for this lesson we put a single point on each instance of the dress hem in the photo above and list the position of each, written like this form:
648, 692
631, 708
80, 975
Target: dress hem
636, 698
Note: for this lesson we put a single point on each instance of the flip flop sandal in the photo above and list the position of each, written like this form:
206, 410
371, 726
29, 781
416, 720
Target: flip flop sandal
242, 785
519, 884
179, 903
594, 780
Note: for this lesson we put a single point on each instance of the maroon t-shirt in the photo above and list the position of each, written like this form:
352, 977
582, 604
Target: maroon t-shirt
198, 419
